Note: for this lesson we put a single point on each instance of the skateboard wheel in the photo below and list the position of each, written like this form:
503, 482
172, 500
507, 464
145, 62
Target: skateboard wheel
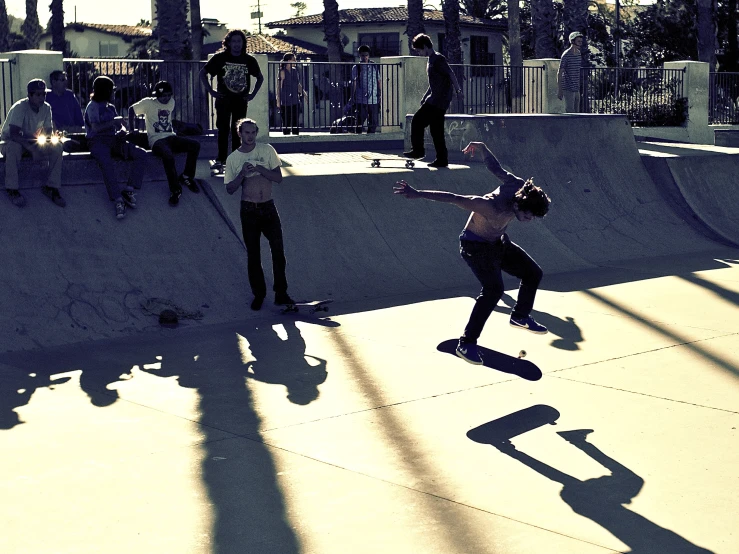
522, 354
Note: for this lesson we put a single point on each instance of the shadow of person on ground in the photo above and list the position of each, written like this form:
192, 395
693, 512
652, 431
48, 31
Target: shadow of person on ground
569, 333
602, 499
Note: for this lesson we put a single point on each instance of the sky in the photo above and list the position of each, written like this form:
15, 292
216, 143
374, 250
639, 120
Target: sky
234, 14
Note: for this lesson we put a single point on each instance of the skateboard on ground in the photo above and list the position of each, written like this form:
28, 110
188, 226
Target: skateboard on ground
497, 360
377, 158
312, 307
216, 168
500, 431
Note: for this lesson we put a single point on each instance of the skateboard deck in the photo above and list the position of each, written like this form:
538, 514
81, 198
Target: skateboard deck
500, 431
497, 360
215, 170
376, 159
312, 307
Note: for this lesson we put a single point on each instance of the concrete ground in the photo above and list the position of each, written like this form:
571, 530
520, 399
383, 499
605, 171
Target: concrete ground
354, 431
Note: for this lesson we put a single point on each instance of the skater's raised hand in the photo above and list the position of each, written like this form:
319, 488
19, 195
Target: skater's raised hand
404, 189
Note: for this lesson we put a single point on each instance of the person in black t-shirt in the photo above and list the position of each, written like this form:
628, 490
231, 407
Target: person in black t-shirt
233, 69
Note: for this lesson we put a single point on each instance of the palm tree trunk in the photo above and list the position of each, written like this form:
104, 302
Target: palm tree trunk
31, 28
542, 19
196, 24
415, 21
56, 24
4, 27
453, 43
173, 31
332, 30
514, 50
706, 26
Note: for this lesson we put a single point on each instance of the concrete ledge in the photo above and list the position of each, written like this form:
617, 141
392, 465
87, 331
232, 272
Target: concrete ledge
726, 137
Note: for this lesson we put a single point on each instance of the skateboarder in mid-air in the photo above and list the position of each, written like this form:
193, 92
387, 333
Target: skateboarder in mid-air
486, 248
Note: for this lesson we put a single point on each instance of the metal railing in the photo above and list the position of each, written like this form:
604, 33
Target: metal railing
329, 104
498, 89
649, 97
135, 79
723, 98
6, 81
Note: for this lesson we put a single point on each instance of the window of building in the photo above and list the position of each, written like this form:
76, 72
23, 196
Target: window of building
381, 44
108, 49
479, 54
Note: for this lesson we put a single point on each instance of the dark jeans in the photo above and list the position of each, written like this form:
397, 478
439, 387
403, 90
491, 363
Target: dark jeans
167, 147
103, 147
257, 220
433, 118
289, 115
368, 112
487, 260
229, 110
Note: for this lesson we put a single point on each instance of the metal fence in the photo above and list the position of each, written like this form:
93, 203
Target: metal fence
723, 98
135, 79
498, 89
6, 81
328, 104
647, 96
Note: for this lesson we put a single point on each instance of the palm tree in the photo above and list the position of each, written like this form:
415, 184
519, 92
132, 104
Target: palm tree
543, 21
196, 23
453, 42
514, 48
172, 29
484, 9
31, 27
4, 27
415, 21
332, 30
56, 24
706, 27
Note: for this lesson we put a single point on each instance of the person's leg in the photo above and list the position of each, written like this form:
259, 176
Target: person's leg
100, 149
372, 114
238, 111
54, 155
13, 153
295, 116
137, 169
436, 128
484, 259
251, 230
272, 229
223, 124
163, 149
191, 148
572, 101
285, 115
518, 263
418, 125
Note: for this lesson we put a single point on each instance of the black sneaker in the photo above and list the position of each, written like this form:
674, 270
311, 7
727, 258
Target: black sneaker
439, 163
16, 198
283, 299
256, 304
54, 195
189, 182
120, 210
129, 198
469, 352
174, 197
413, 154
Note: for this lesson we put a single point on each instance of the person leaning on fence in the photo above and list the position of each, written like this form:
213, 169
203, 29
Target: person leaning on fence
366, 90
289, 94
27, 123
434, 104
233, 69
568, 76
107, 137
158, 112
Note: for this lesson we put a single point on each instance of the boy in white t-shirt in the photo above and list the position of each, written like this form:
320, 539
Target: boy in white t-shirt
158, 112
254, 167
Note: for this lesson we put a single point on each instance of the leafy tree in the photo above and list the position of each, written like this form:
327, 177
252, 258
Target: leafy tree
332, 30
4, 28
415, 21
300, 8
56, 26
31, 27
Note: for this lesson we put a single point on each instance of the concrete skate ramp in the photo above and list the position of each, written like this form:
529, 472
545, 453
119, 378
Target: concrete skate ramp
701, 182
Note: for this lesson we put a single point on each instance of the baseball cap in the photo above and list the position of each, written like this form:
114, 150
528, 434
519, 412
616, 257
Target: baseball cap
575, 34
36, 85
162, 88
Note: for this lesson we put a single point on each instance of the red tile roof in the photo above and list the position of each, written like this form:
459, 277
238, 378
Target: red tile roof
129, 31
382, 15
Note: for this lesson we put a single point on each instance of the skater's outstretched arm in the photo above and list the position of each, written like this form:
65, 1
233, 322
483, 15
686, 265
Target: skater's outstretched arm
470, 203
491, 162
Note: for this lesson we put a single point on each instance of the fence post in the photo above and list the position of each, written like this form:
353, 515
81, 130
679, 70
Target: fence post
549, 101
31, 64
695, 89
412, 83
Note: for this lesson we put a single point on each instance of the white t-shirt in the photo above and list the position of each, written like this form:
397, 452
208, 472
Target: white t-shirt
31, 123
158, 118
263, 154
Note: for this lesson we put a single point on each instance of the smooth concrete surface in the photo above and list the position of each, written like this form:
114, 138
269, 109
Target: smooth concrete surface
258, 432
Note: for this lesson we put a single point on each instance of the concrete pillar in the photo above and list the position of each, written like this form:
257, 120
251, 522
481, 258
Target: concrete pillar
549, 102
412, 84
259, 107
24, 66
695, 89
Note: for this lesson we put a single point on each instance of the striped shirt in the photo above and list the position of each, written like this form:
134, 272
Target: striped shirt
570, 70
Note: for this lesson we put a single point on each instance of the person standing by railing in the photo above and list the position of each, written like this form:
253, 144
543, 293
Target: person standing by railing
233, 69
366, 90
568, 76
434, 104
289, 94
